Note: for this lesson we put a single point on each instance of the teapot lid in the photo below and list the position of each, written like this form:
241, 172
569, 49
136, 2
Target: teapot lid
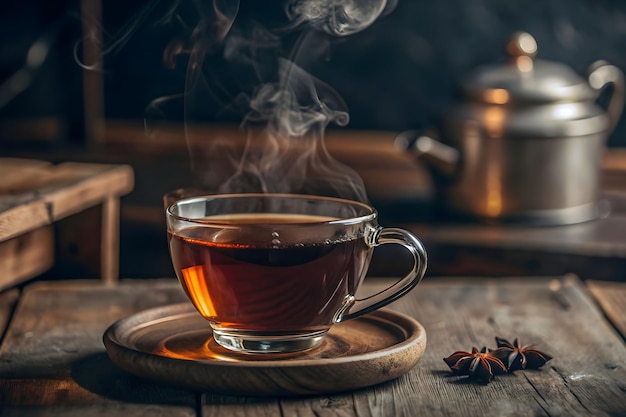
526, 79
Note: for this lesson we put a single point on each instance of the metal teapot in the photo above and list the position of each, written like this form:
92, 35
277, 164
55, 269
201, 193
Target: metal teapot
526, 142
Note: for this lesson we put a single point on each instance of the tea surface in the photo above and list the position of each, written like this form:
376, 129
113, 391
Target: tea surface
264, 286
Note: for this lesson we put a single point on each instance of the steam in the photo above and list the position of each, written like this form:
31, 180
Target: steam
242, 70
285, 109
296, 103
288, 153
338, 17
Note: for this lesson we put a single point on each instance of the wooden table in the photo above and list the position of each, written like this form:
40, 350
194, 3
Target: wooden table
35, 194
53, 362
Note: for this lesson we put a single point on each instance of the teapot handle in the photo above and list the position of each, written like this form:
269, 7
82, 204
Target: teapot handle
601, 74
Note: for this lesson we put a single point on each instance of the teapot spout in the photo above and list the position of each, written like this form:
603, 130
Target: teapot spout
441, 158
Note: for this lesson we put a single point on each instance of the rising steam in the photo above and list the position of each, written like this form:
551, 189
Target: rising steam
337, 17
288, 154
286, 109
242, 70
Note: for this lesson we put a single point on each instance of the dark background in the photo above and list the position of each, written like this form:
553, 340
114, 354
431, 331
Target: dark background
399, 74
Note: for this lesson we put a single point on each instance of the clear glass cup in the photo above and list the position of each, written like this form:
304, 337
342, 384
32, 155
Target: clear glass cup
273, 272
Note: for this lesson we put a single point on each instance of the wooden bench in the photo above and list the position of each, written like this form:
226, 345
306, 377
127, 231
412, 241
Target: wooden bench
34, 194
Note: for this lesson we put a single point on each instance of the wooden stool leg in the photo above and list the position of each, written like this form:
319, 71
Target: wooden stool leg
110, 243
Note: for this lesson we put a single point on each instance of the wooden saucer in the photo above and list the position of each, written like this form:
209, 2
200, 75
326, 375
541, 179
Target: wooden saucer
174, 345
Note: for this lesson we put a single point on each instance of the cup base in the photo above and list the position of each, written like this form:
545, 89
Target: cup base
248, 342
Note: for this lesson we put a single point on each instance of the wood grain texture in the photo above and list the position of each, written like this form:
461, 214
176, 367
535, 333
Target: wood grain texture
557, 316
36, 193
29, 201
18, 218
586, 377
611, 297
55, 362
17, 173
169, 344
52, 360
85, 185
26, 256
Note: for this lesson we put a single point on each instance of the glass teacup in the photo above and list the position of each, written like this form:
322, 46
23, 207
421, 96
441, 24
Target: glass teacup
273, 272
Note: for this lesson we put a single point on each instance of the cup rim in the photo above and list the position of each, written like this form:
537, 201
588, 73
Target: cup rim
343, 221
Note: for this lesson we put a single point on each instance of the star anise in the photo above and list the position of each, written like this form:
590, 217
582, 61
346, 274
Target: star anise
480, 365
516, 356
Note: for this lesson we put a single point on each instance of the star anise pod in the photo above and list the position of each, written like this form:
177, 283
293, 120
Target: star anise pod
480, 365
516, 356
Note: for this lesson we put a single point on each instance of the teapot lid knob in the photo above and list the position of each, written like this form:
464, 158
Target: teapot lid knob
522, 48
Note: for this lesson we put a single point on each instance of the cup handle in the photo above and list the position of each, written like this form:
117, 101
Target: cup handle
401, 237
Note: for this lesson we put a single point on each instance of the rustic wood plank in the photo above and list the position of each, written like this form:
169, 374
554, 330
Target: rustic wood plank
16, 172
586, 376
16, 219
46, 177
26, 256
38, 193
52, 361
612, 299
85, 186
220, 405
60, 191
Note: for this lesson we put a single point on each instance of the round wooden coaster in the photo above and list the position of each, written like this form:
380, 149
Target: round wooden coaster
174, 345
